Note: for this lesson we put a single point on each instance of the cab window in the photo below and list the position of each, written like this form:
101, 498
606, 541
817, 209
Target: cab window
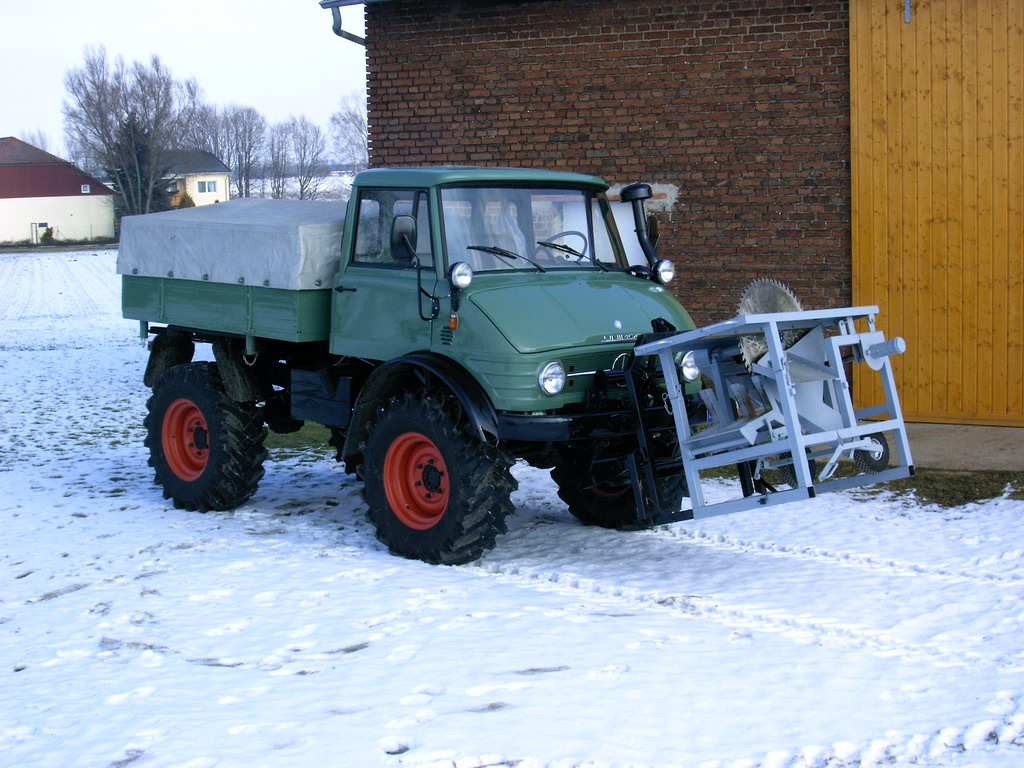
377, 210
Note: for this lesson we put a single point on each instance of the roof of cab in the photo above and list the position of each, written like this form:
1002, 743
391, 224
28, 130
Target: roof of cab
441, 175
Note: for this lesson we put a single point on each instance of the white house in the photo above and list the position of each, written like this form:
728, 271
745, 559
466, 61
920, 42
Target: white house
200, 174
40, 192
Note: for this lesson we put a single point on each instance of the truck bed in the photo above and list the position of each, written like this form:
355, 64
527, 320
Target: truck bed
254, 267
270, 313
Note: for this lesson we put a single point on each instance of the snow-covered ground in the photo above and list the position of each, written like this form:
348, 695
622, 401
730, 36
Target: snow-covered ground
854, 630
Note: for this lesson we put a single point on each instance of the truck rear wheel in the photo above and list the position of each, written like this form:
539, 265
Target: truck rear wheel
609, 505
206, 448
434, 492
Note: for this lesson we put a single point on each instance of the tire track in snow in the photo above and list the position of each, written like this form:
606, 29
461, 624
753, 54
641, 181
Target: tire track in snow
61, 300
834, 557
1004, 729
833, 633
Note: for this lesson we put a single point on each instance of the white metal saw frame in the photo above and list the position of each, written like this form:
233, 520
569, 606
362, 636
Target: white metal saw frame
805, 385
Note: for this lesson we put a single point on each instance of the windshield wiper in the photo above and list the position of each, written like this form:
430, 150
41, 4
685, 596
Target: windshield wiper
501, 252
571, 251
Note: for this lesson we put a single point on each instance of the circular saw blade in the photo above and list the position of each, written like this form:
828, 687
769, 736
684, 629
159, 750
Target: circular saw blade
765, 296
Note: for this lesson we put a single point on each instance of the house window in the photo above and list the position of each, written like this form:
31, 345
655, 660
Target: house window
172, 188
207, 186
86, 189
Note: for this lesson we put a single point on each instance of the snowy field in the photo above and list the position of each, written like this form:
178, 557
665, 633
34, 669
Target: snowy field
847, 632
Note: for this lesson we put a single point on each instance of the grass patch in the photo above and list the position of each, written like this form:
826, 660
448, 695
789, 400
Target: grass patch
312, 439
954, 489
943, 488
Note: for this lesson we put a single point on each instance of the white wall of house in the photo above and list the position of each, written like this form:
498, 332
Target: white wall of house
208, 188
72, 218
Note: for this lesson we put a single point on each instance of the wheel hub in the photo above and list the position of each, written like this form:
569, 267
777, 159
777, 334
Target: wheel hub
432, 478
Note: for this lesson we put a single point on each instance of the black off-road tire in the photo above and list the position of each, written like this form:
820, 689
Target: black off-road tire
434, 491
609, 506
206, 448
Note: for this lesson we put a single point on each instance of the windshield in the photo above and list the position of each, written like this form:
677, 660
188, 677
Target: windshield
507, 228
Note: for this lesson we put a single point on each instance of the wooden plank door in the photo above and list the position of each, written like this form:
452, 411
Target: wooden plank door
937, 128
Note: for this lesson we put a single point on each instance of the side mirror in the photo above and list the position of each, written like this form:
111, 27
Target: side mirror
403, 238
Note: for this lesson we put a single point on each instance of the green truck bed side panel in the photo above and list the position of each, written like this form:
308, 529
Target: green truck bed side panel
271, 313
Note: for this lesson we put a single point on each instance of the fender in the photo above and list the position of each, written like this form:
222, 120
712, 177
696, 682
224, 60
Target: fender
169, 348
416, 368
240, 380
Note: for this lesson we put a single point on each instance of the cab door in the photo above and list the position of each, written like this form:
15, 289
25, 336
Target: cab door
379, 310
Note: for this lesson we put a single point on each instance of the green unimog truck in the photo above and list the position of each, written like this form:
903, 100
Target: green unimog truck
443, 324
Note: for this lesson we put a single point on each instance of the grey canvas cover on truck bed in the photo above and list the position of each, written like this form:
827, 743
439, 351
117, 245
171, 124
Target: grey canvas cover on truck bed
290, 244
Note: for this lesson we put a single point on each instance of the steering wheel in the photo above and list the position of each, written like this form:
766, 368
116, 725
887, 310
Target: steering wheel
570, 233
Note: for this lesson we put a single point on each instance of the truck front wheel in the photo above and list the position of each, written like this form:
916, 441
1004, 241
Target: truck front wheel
608, 505
435, 493
207, 450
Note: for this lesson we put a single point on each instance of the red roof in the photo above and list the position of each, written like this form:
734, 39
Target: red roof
26, 171
17, 152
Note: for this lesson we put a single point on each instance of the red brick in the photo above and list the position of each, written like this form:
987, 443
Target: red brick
741, 104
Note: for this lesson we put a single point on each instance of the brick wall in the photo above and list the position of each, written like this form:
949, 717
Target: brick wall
742, 106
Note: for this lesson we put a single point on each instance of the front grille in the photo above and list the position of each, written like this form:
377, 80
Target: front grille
576, 365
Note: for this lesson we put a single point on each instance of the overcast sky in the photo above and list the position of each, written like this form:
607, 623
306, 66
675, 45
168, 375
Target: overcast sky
278, 56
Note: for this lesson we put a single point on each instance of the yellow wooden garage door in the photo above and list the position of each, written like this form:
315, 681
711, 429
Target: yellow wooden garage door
938, 199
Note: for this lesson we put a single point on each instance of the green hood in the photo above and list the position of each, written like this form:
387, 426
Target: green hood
555, 312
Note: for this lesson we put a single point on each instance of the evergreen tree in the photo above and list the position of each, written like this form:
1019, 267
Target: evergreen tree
136, 177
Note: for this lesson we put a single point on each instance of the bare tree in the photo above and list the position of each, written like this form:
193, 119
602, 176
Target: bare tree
296, 164
124, 120
278, 160
205, 131
245, 131
237, 136
90, 118
350, 132
309, 153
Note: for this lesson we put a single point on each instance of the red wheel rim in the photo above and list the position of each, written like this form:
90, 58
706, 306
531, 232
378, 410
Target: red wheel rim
186, 439
610, 491
416, 481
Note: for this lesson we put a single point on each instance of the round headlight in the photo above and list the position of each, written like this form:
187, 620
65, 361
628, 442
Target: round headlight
552, 378
688, 367
461, 275
665, 271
